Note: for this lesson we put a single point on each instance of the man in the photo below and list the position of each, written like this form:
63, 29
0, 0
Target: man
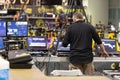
23, 15
16, 16
79, 35
61, 19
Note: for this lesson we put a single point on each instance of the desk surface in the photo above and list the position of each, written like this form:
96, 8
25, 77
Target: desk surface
65, 59
36, 74
111, 72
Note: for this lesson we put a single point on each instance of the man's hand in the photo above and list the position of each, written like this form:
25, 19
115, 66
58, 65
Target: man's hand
105, 53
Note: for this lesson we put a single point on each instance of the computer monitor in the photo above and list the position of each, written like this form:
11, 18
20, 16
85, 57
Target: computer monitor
37, 43
60, 48
2, 47
2, 28
17, 28
110, 45
12, 11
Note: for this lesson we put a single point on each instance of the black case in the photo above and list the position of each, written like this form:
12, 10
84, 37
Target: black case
16, 56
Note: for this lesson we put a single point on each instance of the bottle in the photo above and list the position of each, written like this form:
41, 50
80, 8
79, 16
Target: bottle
4, 69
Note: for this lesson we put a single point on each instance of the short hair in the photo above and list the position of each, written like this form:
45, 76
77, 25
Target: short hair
78, 15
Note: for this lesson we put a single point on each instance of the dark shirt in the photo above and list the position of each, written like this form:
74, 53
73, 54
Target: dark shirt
23, 16
62, 18
79, 35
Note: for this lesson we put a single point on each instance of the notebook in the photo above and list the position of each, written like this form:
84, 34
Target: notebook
60, 48
38, 43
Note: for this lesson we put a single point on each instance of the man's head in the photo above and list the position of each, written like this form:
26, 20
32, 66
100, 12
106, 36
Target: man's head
60, 11
17, 12
77, 16
23, 6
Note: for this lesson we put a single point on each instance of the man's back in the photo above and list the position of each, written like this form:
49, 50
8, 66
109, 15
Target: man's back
80, 40
81, 35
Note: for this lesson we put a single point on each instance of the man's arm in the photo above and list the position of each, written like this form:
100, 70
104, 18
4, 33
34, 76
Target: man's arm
66, 40
99, 42
104, 52
56, 20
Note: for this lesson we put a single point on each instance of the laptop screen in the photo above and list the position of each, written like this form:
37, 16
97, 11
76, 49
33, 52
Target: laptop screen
61, 48
17, 28
110, 45
2, 28
37, 42
1, 44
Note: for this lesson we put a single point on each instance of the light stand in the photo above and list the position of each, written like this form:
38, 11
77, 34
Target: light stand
71, 3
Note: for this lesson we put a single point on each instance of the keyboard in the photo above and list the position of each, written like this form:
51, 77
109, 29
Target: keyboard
63, 54
114, 53
37, 52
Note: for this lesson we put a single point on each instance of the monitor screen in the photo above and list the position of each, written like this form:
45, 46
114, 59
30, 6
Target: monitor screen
1, 44
37, 43
2, 28
110, 45
12, 11
17, 28
61, 48
51, 2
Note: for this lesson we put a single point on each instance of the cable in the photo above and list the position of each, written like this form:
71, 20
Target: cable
41, 64
84, 12
47, 64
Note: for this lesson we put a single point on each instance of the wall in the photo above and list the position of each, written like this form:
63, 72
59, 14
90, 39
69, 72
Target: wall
98, 10
114, 12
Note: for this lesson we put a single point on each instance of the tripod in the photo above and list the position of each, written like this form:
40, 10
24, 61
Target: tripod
78, 4
72, 4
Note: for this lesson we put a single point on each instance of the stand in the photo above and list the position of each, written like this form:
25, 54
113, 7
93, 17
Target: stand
75, 3
71, 3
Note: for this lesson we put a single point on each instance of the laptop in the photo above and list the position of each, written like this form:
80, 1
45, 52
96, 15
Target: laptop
60, 48
110, 46
36, 44
2, 46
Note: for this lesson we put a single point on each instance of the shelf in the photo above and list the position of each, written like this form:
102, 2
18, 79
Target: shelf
31, 17
50, 18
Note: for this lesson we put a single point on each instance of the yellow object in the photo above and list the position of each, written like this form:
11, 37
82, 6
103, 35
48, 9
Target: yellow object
33, 34
29, 10
99, 33
117, 47
113, 66
93, 44
51, 44
111, 35
39, 22
28, 33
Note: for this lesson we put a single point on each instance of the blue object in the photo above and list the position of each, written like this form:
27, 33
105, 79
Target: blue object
110, 45
4, 74
60, 47
2, 28
1, 44
17, 28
